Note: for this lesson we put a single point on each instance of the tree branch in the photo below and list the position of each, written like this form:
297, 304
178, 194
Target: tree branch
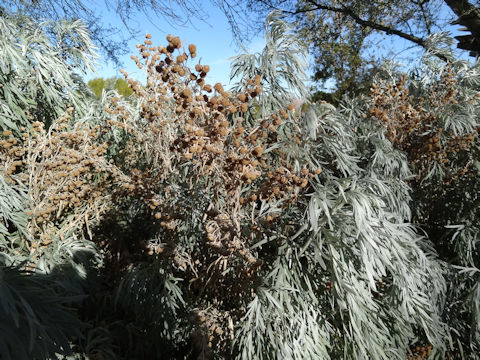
366, 23
425, 16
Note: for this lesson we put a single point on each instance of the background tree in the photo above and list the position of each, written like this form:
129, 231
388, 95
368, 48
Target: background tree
120, 85
344, 35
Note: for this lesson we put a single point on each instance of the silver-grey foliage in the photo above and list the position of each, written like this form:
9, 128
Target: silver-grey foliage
282, 56
357, 280
40, 68
386, 281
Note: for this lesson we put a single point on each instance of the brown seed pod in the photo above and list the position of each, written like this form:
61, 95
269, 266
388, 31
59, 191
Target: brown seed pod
176, 42
258, 151
242, 97
186, 93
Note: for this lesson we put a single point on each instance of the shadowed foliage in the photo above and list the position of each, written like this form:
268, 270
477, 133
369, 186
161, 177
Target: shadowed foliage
193, 221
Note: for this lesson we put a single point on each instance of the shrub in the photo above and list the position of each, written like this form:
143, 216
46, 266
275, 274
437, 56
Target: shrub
192, 221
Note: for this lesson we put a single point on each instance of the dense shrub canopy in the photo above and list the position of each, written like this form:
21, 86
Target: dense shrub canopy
193, 221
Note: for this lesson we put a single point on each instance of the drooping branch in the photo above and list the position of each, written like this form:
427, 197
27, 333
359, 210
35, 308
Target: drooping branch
389, 30
366, 23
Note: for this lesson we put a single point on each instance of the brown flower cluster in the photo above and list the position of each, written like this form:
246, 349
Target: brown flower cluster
214, 330
412, 128
189, 123
66, 172
420, 352
202, 139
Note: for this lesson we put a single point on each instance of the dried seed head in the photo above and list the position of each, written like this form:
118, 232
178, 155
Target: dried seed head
242, 97
187, 93
176, 42
258, 151
192, 49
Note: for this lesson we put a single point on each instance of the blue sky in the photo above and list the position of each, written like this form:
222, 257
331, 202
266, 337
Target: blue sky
213, 38
214, 41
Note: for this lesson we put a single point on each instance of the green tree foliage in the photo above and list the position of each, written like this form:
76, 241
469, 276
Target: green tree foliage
99, 84
189, 221
344, 35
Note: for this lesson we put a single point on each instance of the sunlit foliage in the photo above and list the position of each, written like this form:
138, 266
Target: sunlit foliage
189, 220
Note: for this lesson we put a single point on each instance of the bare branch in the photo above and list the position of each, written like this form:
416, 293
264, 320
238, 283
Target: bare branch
365, 23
